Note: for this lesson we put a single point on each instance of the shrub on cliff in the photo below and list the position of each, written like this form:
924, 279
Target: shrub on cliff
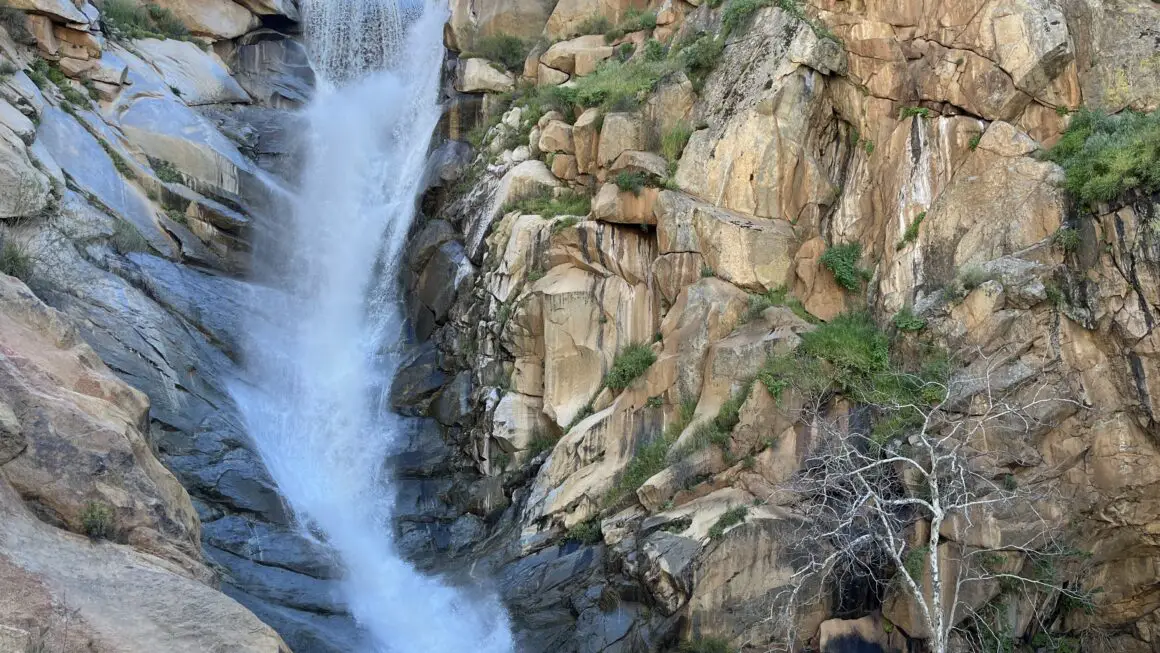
126, 19
630, 363
502, 48
1105, 156
842, 261
97, 520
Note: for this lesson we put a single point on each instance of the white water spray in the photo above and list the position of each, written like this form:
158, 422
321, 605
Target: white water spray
321, 360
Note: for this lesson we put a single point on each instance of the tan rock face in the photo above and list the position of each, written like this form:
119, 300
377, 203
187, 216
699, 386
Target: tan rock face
479, 75
472, 18
620, 132
585, 51
71, 435
221, 19
753, 254
568, 15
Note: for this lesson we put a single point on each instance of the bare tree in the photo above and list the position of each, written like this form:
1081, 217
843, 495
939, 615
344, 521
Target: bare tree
917, 506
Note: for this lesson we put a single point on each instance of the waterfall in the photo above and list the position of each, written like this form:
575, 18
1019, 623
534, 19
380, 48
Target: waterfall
320, 358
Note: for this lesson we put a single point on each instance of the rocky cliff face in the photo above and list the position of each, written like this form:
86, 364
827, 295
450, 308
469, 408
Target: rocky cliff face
680, 184
643, 221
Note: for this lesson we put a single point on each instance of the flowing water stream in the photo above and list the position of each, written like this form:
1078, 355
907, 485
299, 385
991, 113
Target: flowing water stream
320, 360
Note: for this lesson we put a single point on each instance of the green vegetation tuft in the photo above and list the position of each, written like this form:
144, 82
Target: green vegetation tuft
594, 25
634, 20
631, 181
564, 223
15, 262
974, 142
911, 233
654, 50
706, 271
777, 297
739, 11
1104, 157
673, 141
906, 320
648, 461
548, 205
587, 532
698, 57
97, 520
913, 112
1067, 239
128, 19
731, 517
842, 261
166, 172
504, 49
14, 23
630, 363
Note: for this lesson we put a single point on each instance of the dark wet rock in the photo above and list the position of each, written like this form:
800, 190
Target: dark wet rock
418, 379
273, 68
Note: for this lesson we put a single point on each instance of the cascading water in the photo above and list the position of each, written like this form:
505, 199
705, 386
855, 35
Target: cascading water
318, 362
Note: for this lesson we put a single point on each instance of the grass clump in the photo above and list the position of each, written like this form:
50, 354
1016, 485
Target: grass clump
842, 261
739, 11
631, 181
674, 140
43, 73
594, 25
15, 262
97, 520
507, 50
973, 144
706, 271
629, 364
614, 86
906, 320
1104, 157
699, 57
564, 223
648, 461
776, 297
634, 20
127, 19
1067, 239
587, 532
731, 517
654, 50
548, 205
717, 431
167, 172
914, 112
911, 233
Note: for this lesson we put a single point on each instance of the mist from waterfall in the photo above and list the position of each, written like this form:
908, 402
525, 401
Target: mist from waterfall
319, 362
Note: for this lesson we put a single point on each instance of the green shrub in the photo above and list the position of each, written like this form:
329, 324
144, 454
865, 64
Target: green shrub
624, 51
777, 297
906, 320
911, 233
509, 51
731, 517
97, 520
7, 69
535, 274
564, 223
1067, 239
166, 172
654, 50
630, 363
15, 262
974, 142
674, 140
699, 57
127, 19
911, 112
548, 205
587, 532
851, 342
614, 86
1105, 156
594, 25
631, 181
634, 20
706, 645
685, 414
842, 261
646, 463
706, 272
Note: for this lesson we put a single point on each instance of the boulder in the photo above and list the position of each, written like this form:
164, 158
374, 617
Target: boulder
26, 189
586, 140
285, 8
625, 207
620, 132
480, 75
704, 312
556, 137
470, 20
217, 19
62, 11
569, 15
578, 56
646, 162
546, 76
750, 253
